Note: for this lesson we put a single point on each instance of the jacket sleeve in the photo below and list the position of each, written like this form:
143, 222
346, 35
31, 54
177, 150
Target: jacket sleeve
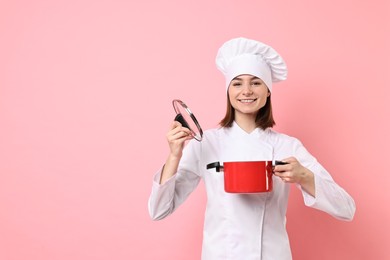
167, 197
329, 196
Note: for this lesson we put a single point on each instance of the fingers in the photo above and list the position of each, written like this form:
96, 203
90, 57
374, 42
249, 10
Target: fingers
285, 177
292, 172
175, 124
287, 172
177, 131
178, 127
291, 163
281, 169
177, 135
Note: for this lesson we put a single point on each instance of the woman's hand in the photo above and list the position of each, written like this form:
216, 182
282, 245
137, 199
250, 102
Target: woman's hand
176, 137
294, 172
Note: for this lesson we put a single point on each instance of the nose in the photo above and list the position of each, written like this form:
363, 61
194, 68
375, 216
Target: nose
247, 90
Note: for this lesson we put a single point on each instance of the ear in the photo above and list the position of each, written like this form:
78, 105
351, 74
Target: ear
268, 94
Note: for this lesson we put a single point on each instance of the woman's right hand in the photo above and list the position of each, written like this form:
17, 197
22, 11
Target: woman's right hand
176, 137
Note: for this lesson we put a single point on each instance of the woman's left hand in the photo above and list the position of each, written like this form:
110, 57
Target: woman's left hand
294, 172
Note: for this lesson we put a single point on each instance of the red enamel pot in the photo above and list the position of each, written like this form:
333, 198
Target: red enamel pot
245, 177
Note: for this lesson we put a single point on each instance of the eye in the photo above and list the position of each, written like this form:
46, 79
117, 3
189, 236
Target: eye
236, 84
256, 83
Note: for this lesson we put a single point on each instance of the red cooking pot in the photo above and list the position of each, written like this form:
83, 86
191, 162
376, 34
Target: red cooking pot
246, 177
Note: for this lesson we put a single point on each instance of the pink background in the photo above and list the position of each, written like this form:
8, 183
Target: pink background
85, 102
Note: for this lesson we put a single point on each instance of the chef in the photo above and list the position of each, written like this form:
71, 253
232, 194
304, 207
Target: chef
245, 226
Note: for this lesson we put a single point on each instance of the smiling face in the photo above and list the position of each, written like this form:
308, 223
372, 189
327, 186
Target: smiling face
247, 94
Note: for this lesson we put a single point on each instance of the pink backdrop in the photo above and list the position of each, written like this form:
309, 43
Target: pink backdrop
85, 92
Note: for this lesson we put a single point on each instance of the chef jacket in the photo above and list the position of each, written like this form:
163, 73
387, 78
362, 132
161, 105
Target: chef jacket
245, 226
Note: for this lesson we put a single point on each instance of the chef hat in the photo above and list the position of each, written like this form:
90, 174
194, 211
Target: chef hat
244, 56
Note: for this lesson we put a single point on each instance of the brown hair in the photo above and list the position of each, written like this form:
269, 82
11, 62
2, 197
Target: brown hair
264, 117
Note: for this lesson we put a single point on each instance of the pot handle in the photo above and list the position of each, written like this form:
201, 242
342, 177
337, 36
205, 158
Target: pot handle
216, 165
280, 163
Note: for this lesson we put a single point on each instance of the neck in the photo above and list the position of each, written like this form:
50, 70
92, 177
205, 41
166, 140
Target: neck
246, 122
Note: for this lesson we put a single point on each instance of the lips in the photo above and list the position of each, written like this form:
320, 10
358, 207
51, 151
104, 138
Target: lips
251, 100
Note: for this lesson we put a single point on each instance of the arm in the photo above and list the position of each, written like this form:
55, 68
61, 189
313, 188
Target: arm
319, 189
330, 197
176, 138
178, 178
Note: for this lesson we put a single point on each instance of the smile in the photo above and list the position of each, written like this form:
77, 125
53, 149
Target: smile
247, 100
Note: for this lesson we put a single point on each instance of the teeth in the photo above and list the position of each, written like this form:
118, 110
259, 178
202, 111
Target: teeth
247, 100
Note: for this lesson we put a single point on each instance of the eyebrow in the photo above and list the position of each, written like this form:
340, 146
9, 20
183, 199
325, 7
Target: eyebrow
252, 78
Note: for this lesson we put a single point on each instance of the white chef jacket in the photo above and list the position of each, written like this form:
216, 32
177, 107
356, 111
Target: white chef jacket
245, 226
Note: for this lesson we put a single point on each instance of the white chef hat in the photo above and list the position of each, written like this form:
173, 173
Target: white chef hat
244, 56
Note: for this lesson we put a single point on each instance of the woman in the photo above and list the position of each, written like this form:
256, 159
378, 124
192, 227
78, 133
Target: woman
245, 226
